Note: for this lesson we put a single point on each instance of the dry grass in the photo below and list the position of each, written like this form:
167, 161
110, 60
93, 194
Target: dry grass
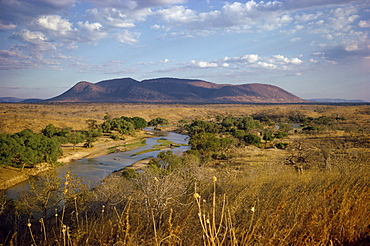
271, 205
250, 199
16, 117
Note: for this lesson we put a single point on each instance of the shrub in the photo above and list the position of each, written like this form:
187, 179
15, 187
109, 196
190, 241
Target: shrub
252, 139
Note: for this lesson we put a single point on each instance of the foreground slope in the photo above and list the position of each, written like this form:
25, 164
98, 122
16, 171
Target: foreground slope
171, 90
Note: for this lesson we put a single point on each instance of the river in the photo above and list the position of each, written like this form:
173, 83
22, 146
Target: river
94, 170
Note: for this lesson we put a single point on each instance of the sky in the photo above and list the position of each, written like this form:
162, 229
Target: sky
311, 48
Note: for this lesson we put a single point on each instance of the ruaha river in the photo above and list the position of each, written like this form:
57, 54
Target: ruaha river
94, 170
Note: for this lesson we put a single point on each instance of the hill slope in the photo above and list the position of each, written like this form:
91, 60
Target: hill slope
171, 90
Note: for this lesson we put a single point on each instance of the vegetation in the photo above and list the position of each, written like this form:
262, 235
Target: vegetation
312, 189
26, 149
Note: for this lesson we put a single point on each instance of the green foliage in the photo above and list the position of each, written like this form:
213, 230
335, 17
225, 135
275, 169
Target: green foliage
285, 127
92, 124
281, 134
281, 145
158, 122
119, 124
139, 123
165, 163
49, 131
252, 139
75, 138
200, 126
268, 137
90, 137
114, 137
238, 133
124, 125
27, 148
129, 173
209, 142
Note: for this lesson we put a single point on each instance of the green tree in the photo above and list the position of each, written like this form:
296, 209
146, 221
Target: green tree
92, 124
200, 126
90, 137
139, 123
158, 122
165, 161
75, 138
252, 139
268, 137
49, 131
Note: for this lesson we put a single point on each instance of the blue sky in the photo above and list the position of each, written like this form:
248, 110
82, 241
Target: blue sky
312, 48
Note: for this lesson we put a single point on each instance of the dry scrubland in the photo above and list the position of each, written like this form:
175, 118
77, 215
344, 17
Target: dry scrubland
250, 198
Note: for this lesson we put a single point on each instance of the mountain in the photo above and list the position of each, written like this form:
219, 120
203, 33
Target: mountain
172, 90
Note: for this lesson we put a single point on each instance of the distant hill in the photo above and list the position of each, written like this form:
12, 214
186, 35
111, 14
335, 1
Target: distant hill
335, 100
10, 99
18, 100
172, 90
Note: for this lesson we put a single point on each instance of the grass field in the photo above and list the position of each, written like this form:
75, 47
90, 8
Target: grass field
252, 197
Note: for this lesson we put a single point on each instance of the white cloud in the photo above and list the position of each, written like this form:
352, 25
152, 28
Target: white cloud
295, 39
177, 14
92, 27
111, 17
7, 26
203, 64
135, 4
13, 52
252, 61
91, 32
308, 17
30, 37
164, 61
56, 24
127, 37
364, 24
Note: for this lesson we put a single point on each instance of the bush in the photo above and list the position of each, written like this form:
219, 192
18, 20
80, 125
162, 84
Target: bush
252, 139
281, 145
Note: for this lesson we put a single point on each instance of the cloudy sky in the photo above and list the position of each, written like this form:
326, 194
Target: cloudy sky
312, 48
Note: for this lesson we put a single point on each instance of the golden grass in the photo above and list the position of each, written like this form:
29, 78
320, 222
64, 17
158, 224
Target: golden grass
249, 199
271, 205
16, 117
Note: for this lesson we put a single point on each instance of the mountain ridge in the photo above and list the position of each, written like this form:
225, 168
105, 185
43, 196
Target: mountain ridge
173, 90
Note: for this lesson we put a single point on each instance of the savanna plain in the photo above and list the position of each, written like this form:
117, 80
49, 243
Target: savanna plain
296, 174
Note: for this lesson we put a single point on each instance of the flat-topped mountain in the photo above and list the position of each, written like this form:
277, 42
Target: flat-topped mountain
172, 90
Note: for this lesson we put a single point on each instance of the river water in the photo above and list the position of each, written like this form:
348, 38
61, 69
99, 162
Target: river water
94, 170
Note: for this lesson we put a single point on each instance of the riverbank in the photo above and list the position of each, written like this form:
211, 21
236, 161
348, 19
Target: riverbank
10, 176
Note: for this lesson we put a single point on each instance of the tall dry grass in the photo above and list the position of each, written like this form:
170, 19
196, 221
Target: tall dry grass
195, 205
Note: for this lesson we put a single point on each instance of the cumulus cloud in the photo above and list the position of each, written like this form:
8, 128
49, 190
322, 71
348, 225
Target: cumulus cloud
364, 24
252, 61
30, 37
265, 14
114, 17
7, 26
91, 32
56, 24
203, 64
127, 37
177, 14
347, 52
